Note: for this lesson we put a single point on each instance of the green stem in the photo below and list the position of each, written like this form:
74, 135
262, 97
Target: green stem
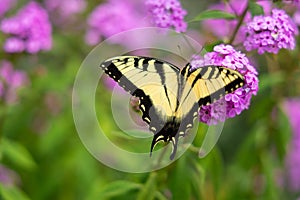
1, 124
239, 24
194, 148
161, 157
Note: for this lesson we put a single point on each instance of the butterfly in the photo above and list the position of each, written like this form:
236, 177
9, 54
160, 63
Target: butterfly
169, 97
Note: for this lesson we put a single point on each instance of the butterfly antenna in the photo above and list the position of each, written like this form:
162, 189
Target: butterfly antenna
190, 45
179, 49
199, 52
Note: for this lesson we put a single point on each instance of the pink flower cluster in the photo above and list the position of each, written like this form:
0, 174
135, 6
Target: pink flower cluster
10, 81
29, 30
271, 33
167, 14
232, 104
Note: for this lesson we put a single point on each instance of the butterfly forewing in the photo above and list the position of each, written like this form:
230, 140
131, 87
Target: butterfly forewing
152, 80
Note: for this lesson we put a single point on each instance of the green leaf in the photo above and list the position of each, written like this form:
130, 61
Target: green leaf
210, 47
114, 189
248, 152
11, 193
160, 196
214, 166
17, 154
255, 9
269, 80
282, 134
213, 14
148, 191
271, 191
197, 171
180, 180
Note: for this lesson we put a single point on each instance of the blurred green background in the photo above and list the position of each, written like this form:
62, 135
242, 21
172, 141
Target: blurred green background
43, 157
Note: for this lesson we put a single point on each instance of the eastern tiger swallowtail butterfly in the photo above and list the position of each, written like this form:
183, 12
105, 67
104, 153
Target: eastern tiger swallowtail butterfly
170, 98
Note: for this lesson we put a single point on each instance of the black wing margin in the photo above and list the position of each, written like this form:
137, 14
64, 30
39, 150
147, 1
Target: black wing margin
112, 70
132, 72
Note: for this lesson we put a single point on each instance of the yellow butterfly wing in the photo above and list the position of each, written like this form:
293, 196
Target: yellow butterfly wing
152, 80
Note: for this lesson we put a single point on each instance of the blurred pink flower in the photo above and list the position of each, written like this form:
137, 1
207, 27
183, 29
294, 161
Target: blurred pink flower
8, 177
292, 109
10, 82
29, 30
63, 11
296, 17
5, 5
111, 18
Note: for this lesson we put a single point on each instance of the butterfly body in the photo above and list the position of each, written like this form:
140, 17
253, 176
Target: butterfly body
170, 98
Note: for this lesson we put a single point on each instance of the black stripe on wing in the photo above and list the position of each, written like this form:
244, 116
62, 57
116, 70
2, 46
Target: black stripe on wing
188, 120
228, 88
209, 73
145, 101
160, 70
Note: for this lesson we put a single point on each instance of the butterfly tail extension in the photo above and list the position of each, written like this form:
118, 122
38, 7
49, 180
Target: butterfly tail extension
157, 138
174, 142
168, 133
